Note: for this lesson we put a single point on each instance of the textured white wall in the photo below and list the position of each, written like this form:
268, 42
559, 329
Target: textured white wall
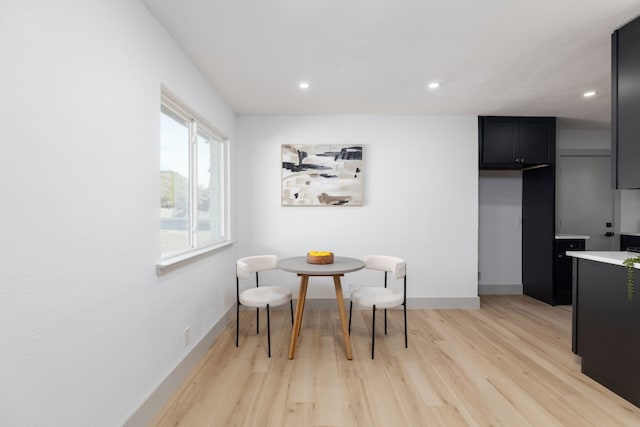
88, 329
421, 197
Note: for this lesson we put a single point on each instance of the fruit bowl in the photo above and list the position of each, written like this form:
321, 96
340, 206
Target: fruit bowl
320, 257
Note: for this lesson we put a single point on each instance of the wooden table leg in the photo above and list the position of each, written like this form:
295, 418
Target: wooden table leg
302, 295
343, 316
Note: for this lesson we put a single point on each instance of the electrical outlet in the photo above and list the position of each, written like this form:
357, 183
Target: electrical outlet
187, 336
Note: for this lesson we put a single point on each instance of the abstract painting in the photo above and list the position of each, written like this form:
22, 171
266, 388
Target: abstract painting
322, 175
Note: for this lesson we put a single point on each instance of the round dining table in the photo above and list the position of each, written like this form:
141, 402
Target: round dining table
304, 270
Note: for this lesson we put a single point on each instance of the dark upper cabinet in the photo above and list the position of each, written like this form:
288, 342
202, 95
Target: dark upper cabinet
516, 142
625, 105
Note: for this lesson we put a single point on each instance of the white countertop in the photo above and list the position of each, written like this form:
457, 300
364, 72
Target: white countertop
609, 257
630, 234
573, 236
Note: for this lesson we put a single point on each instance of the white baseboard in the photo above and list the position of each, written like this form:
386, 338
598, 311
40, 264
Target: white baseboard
156, 400
412, 303
500, 289
436, 303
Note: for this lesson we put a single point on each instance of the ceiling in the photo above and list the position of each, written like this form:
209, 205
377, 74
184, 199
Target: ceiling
492, 57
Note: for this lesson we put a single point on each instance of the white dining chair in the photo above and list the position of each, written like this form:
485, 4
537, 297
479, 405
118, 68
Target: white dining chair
386, 297
259, 296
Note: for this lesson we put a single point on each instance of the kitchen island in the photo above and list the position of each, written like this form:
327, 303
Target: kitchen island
606, 323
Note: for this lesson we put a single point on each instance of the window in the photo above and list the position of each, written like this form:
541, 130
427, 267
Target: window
192, 182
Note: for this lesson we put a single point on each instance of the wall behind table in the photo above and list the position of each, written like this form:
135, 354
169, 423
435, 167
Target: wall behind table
88, 329
421, 199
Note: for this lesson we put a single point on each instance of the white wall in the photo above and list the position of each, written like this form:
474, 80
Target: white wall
630, 211
88, 329
582, 139
421, 198
500, 232
627, 202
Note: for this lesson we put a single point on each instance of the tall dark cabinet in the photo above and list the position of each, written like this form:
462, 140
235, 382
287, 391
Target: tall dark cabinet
528, 144
625, 106
538, 233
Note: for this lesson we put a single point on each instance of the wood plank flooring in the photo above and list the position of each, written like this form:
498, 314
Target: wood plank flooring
507, 364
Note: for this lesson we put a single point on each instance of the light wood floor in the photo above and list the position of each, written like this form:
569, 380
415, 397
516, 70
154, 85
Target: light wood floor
509, 363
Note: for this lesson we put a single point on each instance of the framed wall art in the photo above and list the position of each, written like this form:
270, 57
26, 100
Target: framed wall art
322, 175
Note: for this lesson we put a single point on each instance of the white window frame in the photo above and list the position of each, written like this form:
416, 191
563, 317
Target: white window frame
195, 123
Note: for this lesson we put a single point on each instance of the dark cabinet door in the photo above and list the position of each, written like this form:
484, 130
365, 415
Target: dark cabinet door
533, 143
563, 279
516, 142
499, 135
538, 231
563, 270
626, 105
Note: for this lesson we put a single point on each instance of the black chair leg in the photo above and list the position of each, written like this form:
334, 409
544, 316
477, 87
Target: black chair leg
291, 305
350, 309
385, 321
268, 332
406, 341
373, 332
237, 322
257, 321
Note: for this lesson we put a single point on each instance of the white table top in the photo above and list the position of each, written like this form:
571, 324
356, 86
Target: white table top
340, 265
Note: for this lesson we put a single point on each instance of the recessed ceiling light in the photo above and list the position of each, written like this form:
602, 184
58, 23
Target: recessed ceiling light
589, 94
433, 85
303, 85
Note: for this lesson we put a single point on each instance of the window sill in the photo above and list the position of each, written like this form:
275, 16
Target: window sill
176, 261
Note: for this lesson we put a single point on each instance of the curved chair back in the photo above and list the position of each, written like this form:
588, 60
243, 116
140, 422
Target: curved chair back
394, 265
246, 266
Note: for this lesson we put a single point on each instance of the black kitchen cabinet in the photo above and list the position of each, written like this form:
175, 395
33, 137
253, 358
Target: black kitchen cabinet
528, 143
563, 270
627, 241
538, 232
625, 104
606, 328
516, 142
